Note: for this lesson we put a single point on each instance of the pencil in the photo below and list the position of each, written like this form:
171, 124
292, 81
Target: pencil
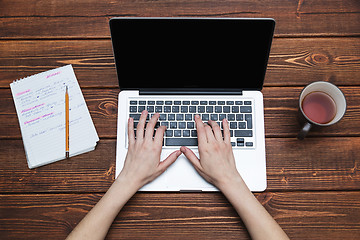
67, 122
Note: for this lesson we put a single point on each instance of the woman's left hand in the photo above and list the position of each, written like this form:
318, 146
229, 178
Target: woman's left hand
142, 164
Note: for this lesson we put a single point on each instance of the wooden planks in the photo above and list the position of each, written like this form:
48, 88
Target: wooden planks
313, 185
62, 19
291, 165
281, 108
90, 172
293, 61
302, 215
312, 164
93, 61
300, 61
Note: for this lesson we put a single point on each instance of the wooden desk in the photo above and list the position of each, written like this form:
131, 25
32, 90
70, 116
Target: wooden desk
313, 185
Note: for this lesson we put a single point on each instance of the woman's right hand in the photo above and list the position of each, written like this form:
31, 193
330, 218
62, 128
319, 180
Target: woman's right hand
217, 162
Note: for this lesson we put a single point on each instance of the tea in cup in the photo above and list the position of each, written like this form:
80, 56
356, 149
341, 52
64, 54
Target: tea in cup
320, 104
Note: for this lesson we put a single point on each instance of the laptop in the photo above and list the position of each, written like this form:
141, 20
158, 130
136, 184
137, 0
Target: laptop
180, 67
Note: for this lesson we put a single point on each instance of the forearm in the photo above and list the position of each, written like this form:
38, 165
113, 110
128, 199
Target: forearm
97, 222
257, 220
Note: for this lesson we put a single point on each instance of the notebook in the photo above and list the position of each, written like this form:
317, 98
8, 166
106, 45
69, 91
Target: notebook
182, 67
40, 106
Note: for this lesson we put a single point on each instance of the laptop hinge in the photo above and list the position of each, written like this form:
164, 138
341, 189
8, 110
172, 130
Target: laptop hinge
190, 92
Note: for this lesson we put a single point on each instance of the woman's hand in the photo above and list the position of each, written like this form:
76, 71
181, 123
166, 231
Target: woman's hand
216, 163
142, 163
217, 166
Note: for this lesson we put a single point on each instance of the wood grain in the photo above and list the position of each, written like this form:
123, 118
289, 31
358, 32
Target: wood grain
313, 164
90, 172
313, 185
302, 61
293, 61
93, 61
281, 109
294, 18
302, 215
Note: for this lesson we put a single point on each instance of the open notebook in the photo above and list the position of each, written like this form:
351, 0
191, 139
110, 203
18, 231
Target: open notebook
40, 106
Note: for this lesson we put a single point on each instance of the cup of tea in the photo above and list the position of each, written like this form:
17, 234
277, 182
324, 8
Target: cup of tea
320, 104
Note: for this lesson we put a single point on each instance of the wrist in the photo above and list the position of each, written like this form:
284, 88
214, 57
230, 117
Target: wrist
130, 180
231, 183
127, 184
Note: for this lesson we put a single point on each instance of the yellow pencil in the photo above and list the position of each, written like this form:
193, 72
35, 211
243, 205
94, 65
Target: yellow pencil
67, 122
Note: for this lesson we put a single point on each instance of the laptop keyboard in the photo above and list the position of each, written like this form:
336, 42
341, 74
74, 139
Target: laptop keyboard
178, 116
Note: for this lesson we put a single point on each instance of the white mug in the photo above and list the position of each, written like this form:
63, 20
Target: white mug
323, 90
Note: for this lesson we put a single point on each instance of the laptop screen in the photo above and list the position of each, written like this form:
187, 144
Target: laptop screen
161, 53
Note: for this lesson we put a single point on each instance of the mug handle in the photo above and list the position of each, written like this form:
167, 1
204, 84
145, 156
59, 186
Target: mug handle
304, 131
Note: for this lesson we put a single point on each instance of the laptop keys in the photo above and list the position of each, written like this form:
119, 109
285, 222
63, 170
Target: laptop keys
178, 117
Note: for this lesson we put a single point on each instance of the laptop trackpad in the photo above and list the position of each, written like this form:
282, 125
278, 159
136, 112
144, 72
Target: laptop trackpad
181, 175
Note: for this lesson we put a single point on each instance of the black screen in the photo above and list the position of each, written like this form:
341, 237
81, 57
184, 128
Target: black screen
191, 52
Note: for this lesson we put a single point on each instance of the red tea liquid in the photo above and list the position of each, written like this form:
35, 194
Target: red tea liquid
319, 107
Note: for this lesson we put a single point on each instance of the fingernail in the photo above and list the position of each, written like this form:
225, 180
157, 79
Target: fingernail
197, 116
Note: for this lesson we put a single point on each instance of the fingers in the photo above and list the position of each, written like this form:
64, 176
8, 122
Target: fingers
226, 128
131, 134
141, 126
159, 135
189, 154
201, 132
169, 160
216, 129
208, 134
149, 133
146, 129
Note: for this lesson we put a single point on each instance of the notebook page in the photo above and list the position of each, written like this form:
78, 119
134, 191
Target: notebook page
40, 106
